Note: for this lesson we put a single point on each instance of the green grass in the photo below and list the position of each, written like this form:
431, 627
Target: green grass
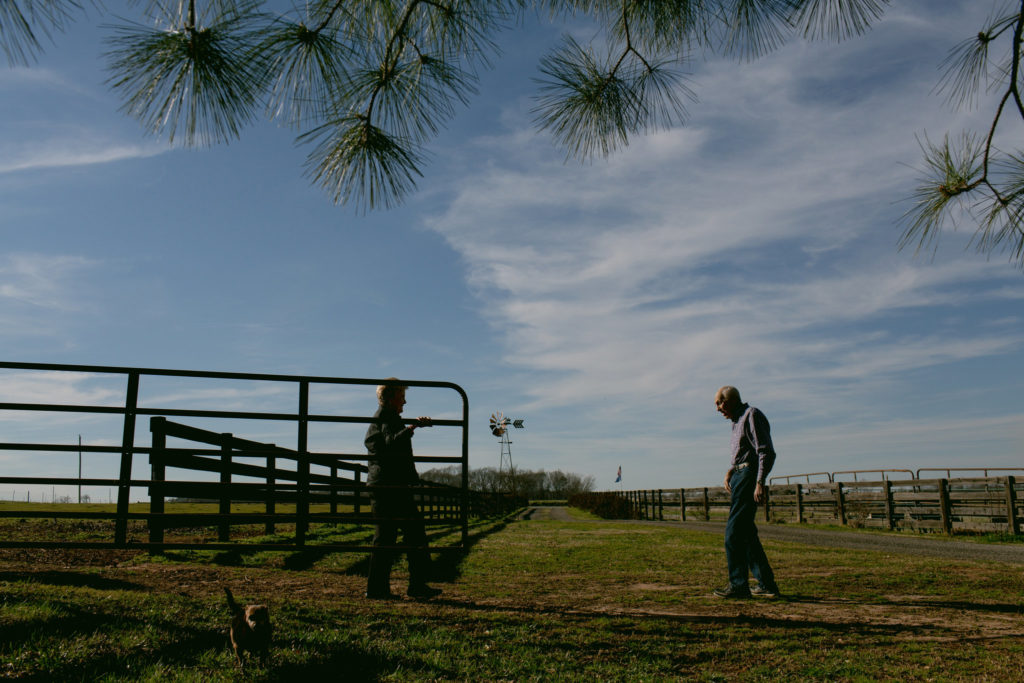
532, 601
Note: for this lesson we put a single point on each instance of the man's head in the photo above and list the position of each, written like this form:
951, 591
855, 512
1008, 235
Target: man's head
392, 395
728, 402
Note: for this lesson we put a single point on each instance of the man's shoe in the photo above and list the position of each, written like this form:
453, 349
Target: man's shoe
423, 592
761, 591
732, 592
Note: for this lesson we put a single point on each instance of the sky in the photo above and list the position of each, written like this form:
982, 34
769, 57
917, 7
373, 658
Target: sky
603, 303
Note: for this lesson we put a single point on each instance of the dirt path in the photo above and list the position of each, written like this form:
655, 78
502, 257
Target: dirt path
904, 543
897, 542
541, 513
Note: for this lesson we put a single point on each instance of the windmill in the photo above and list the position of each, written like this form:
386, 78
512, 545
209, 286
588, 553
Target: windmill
499, 427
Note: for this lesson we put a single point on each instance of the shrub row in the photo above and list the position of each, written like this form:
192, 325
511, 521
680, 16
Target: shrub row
605, 505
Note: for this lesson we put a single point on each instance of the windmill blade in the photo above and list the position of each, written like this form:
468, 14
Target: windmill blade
498, 424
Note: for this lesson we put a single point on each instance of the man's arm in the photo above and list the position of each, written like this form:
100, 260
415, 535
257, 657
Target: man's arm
761, 439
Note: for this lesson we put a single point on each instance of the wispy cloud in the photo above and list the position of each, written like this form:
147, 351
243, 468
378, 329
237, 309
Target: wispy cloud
40, 77
755, 246
41, 280
77, 151
61, 388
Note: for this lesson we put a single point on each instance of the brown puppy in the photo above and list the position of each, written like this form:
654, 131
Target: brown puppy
250, 629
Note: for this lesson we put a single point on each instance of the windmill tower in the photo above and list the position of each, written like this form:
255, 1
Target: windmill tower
499, 427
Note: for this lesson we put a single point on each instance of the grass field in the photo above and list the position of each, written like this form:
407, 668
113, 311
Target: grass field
538, 600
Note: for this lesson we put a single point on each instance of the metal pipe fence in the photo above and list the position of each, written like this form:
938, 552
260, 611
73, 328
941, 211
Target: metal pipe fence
339, 483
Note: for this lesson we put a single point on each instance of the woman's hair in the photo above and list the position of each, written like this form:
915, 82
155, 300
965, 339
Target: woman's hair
386, 391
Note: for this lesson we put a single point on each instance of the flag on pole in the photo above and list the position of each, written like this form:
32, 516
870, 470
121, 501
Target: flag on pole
618, 477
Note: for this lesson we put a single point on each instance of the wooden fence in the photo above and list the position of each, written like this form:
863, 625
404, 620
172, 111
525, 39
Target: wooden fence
984, 504
272, 477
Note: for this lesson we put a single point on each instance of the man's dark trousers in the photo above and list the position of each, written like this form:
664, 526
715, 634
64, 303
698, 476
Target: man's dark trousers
396, 510
743, 549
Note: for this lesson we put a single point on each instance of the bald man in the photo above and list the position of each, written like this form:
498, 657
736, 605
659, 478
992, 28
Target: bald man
752, 458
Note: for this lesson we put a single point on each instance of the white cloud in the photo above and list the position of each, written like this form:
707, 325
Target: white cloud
78, 151
755, 246
60, 388
39, 77
41, 280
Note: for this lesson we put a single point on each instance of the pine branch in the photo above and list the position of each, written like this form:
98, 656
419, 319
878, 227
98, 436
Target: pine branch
23, 24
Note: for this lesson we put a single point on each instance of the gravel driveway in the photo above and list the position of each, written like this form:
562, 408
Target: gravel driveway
935, 546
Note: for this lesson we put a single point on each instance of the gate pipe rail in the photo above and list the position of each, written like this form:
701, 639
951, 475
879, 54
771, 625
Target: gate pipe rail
132, 411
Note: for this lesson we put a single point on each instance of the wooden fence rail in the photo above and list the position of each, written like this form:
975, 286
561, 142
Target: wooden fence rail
984, 504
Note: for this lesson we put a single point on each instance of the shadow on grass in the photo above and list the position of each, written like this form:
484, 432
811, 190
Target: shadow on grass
672, 622
343, 662
960, 605
228, 558
447, 567
64, 620
181, 648
75, 579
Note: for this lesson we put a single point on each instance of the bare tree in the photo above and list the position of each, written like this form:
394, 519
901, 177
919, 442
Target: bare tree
537, 485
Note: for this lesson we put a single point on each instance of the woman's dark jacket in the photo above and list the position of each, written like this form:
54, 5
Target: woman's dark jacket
390, 441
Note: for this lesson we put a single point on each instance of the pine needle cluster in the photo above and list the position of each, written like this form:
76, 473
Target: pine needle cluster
970, 177
367, 85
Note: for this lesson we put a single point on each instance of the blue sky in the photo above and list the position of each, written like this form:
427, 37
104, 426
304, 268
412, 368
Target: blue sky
604, 303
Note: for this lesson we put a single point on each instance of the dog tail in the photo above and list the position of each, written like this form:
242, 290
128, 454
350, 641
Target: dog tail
232, 605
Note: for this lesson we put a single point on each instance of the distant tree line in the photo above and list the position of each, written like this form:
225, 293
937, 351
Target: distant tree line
536, 485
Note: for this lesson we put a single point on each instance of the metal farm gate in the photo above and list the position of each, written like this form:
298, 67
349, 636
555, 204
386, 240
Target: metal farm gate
278, 487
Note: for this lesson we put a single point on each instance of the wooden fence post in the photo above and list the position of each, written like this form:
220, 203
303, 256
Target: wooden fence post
334, 489
840, 504
889, 514
707, 505
767, 504
1011, 505
661, 507
356, 492
224, 534
799, 504
682, 505
157, 476
945, 509
271, 505
302, 467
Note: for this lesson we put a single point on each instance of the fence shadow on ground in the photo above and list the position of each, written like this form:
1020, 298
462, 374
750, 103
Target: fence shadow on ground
71, 579
447, 567
673, 621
